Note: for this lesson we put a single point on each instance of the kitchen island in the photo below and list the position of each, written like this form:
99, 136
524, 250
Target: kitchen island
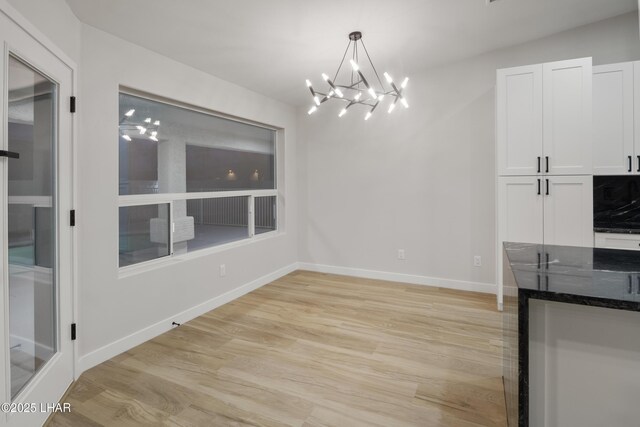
599, 278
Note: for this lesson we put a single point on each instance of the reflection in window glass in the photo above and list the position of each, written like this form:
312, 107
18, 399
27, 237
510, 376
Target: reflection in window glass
214, 221
144, 233
169, 149
265, 208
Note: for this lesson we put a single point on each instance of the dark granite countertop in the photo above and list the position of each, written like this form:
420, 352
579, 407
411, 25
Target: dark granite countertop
607, 274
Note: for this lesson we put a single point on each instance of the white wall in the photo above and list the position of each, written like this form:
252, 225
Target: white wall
54, 19
423, 179
112, 307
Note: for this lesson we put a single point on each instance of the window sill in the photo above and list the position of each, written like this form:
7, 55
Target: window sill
165, 261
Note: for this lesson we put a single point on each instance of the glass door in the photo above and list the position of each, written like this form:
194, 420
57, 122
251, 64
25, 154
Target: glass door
36, 239
31, 231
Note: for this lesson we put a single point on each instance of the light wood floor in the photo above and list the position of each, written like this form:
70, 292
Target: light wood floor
310, 350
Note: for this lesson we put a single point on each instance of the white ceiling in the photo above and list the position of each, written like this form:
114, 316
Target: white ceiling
271, 46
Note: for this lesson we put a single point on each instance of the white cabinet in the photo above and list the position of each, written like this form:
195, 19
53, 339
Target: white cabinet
519, 120
543, 119
613, 116
568, 210
544, 209
636, 104
567, 139
617, 241
554, 210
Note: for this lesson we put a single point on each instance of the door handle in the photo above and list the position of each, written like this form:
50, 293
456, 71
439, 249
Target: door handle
539, 186
9, 154
630, 163
540, 159
546, 160
547, 187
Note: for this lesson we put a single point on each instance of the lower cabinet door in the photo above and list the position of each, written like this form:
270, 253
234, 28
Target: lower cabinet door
568, 210
520, 209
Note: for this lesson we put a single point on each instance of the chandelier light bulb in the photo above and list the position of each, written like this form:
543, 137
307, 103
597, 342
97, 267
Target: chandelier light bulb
154, 133
354, 65
308, 83
325, 77
373, 93
392, 107
143, 130
330, 94
156, 123
126, 138
388, 77
404, 82
130, 113
153, 138
339, 92
404, 102
316, 100
312, 110
380, 98
147, 120
342, 112
368, 116
357, 97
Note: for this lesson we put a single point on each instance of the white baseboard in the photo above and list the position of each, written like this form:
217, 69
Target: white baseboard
488, 288
108, 351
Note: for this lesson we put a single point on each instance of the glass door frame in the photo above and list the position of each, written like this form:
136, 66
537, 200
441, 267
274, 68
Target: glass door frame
23, 41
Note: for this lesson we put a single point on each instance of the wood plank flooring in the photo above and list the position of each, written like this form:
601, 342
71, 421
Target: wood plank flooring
310, 350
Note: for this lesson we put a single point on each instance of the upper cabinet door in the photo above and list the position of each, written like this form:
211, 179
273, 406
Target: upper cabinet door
636, 102
567, 137
613, 93
519, 120
568, 210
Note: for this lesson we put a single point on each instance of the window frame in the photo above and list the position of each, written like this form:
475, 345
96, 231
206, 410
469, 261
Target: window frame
170, 198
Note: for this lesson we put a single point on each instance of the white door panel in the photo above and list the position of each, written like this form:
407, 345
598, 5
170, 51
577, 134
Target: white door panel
519, 119
567, 137
568, 210
613, 152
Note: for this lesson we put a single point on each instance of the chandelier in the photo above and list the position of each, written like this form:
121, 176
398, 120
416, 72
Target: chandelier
359, 90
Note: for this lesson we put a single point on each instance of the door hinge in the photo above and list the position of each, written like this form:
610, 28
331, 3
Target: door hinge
73, 332
72, 218
72, 104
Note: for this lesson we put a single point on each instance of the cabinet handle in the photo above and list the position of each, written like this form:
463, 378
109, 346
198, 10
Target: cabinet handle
539, 268
638, 163
630, 164
539, 185
546, 159
539, 163
630, 284
547, 187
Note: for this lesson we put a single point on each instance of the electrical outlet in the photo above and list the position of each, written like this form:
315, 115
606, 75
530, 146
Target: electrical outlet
401, 254
223, 270
477, 261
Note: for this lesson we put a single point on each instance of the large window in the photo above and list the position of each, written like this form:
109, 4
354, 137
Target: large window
190, 180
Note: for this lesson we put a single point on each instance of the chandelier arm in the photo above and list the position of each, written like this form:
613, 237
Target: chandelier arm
371, 62
341, 62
